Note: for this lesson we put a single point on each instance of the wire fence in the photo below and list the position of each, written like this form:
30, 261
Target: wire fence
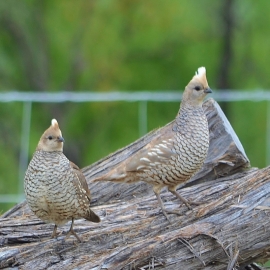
142, 97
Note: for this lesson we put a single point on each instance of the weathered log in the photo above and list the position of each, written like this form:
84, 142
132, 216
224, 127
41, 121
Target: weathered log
230, 228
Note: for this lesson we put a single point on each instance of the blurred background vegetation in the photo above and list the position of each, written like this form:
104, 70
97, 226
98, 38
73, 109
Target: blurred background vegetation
126, 45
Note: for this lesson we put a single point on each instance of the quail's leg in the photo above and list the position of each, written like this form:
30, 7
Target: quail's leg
71, 231
164, 211
186, 202
54, 234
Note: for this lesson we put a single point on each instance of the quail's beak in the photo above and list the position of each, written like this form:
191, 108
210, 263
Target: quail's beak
60, 139
208, 90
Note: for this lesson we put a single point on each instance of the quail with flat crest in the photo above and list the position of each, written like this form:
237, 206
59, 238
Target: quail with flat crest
55, 188
175, 155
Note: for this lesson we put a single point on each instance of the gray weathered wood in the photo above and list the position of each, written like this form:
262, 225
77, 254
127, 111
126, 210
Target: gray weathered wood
230, 227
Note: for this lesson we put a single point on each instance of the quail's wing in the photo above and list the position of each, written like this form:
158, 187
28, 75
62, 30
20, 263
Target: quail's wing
159, 151
92, 216
80, 177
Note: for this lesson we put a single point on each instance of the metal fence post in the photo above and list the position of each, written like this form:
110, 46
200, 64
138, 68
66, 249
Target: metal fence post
25, 136
142, 118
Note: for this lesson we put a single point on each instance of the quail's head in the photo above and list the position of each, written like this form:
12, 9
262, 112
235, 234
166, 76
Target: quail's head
197, 89
51, 140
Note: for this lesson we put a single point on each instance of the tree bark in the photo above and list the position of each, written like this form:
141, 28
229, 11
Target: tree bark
229, 230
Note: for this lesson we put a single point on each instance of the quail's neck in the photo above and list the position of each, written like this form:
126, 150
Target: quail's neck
185, 104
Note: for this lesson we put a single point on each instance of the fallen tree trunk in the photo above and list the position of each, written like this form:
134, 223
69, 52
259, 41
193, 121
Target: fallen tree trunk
230, 228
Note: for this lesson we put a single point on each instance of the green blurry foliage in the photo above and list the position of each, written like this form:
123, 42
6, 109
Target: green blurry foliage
125, 45
249, 122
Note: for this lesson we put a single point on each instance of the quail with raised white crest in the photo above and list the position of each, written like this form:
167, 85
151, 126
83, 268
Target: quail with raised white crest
175, 155
55, 188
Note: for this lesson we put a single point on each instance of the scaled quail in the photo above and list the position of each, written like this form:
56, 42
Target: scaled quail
176, 154
55, 188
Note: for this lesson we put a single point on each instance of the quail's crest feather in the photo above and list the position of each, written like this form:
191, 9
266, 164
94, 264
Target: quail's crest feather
201, 71
54, 122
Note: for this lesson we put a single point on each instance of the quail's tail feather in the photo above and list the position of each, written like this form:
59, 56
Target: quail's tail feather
92, 216
116, 175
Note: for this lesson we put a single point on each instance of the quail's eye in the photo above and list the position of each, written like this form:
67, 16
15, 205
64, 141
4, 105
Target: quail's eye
197, 88
50, 137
